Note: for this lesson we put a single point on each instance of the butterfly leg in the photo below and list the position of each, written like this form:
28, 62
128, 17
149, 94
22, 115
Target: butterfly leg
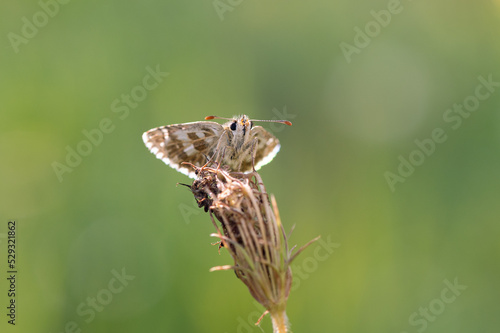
216, 153
251, 147
254, 152
223, 153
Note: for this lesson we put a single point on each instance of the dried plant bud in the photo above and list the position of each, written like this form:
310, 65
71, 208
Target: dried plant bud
251, 231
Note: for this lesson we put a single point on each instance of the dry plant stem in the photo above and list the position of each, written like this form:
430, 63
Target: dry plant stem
280, 321
252, 232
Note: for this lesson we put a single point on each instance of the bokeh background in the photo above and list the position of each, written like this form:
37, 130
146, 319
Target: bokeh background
389, 248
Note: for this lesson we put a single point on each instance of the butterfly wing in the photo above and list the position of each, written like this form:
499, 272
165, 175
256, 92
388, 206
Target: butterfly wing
189, 142
266, 147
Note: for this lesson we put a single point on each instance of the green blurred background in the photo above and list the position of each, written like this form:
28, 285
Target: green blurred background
392, 247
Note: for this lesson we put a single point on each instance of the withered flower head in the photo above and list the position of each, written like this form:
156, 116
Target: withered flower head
252, 233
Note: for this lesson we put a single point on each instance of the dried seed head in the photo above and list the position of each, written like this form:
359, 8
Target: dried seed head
251, 232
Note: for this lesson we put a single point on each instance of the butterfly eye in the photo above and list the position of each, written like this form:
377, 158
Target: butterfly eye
233, 126
251, 124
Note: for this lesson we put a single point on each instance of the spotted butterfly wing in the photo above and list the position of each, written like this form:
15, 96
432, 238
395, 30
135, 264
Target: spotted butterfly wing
264, 150
189, 142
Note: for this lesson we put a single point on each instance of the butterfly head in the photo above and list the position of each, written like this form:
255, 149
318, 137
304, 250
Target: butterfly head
240, 127
244, 122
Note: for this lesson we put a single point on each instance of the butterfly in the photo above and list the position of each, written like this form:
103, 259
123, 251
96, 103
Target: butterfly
237, 144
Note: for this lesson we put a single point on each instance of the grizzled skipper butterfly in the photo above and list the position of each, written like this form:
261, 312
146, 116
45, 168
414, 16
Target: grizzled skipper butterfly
237, 144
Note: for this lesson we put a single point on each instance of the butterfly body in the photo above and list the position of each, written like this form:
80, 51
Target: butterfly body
234, 144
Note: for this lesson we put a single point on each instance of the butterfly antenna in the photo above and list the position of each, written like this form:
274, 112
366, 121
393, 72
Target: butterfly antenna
216, 117
286, 122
